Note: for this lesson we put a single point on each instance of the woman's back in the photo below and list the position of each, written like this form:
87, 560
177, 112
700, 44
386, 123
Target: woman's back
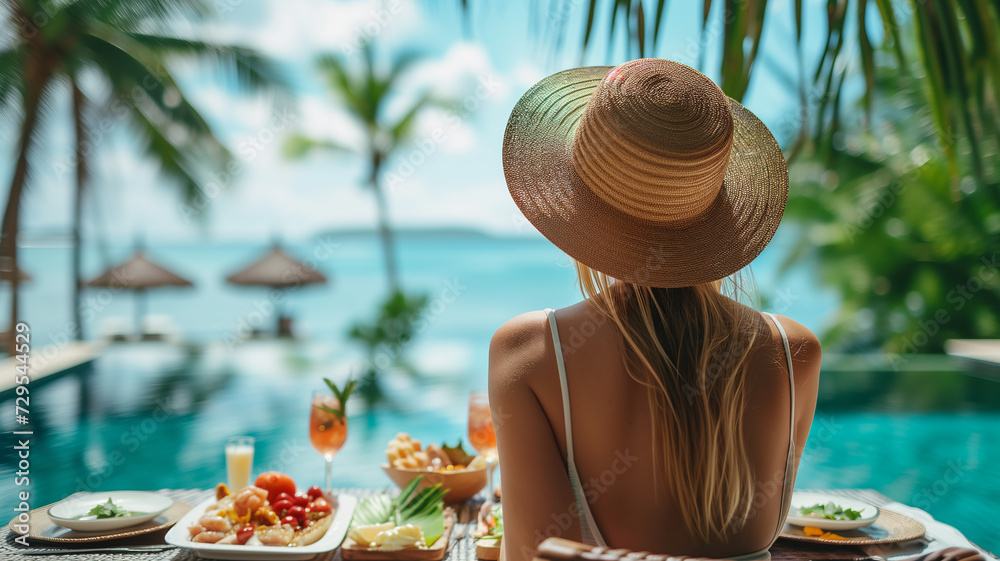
612, 435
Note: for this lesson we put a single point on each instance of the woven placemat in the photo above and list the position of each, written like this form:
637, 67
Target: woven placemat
43, 528
889, 527
459, 549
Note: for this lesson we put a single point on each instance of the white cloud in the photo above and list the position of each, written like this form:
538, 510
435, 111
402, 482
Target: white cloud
464, 70
301, 28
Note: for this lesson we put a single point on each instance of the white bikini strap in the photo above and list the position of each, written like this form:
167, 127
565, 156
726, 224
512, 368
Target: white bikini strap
788, 485
562, 383
587, 524
791, 378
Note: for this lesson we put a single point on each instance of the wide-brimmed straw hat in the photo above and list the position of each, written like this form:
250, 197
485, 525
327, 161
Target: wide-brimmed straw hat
646, 172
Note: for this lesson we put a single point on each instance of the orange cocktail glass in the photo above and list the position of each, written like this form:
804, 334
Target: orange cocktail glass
327, 431
482, 437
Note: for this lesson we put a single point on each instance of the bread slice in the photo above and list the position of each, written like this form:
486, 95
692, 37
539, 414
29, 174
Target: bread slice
312, 534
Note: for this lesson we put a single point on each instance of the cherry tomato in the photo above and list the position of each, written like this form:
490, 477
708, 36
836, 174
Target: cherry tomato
301, 499
281, 497
244, 533
282, 505
319, 506
298, 512
291, 521
315, 492
275, 483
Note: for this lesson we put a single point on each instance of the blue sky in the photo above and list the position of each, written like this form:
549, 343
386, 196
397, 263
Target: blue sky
459, 178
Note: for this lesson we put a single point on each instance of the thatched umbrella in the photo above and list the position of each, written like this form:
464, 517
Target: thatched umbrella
138, 274
279, 271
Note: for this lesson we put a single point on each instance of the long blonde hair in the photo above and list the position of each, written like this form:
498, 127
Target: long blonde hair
690, 348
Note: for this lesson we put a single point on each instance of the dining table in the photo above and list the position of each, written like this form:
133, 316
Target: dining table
152, 547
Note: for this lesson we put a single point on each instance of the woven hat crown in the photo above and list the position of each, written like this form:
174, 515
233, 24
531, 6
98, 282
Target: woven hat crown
654, 141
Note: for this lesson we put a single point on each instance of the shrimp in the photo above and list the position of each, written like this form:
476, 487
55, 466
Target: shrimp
230, 539
208, 537
212, 523
196, 529
275, 535
249, 500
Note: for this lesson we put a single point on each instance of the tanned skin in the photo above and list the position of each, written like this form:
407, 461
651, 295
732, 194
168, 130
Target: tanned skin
612, 436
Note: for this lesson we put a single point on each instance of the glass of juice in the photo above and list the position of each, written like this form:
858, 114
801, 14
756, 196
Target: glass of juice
327, 430
482, 437
239, 461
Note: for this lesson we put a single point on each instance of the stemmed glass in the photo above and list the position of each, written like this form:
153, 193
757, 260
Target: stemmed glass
482, 437
327, 431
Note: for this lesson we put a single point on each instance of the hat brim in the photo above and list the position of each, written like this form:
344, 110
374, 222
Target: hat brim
538, 167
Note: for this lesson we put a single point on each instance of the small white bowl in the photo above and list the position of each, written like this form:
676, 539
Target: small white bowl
146, 505
869, 512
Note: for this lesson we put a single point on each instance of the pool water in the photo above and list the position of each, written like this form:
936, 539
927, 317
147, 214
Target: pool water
156, 415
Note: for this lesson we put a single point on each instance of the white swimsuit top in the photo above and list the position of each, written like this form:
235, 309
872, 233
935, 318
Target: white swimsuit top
591, 534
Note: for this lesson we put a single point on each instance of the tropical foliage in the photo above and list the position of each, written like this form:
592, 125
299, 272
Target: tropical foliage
386, 338
365, 95
900, 210
956, 44
125, 46
914, 265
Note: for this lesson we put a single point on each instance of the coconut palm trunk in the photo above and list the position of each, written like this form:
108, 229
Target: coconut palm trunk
384, 226
36, 79
82, 175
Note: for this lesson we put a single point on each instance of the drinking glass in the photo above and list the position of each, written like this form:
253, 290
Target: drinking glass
327, 432
239, 461
482, 437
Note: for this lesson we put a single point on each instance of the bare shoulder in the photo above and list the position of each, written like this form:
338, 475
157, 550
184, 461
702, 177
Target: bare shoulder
803, 343
520, 348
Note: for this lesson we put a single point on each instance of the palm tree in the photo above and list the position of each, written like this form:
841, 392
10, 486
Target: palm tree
956, 49
126, 44
365, 95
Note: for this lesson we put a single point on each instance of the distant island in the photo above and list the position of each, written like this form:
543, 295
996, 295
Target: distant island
413, 232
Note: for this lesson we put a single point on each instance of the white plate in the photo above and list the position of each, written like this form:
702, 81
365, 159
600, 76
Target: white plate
869, 512
149, 505
180, 536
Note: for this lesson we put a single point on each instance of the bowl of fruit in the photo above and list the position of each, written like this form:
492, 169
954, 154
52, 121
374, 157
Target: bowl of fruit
462, 474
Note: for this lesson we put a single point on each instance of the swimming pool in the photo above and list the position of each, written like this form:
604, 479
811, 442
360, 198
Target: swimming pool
156, 415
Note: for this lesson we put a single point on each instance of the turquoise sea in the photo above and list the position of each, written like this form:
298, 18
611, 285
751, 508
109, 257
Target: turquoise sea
155, 415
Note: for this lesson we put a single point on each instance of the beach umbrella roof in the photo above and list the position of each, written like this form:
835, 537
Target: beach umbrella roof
138, 273
276, 269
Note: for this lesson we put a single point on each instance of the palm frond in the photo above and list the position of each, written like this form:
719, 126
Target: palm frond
151, 90
346, 87
11, 85
251, 70
176, 163
130, 14
401, 129
298, 146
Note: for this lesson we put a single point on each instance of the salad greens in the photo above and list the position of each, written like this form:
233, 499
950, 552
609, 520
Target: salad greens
424, 508
109, 510
829, 511
495, 533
